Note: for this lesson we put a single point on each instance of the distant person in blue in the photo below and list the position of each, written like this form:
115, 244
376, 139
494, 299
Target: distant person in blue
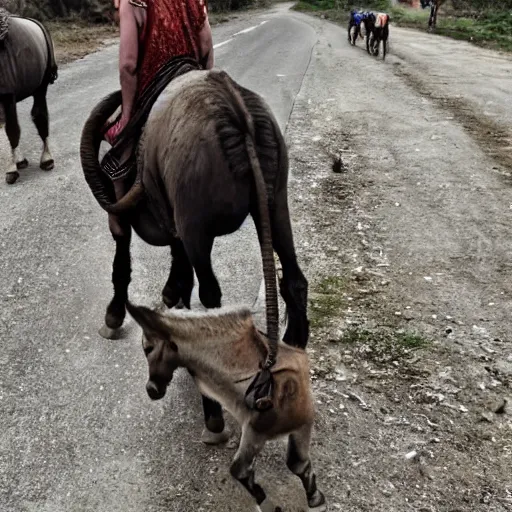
358, 20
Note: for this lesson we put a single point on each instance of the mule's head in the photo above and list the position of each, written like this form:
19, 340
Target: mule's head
161, 352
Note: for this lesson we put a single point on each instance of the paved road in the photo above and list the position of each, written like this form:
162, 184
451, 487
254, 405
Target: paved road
78, 430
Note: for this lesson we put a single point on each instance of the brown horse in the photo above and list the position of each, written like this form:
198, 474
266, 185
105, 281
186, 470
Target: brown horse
434, 8
28, 67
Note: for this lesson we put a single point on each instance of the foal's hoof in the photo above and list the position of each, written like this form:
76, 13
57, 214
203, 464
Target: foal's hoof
108, 333
317, 502
268, 506
212, 438
22, 164
48, 165
11, 177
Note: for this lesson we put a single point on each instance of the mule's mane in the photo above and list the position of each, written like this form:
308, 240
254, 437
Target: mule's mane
218, 323
4, 23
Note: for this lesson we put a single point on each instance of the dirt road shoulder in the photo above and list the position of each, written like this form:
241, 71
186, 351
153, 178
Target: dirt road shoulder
407, 248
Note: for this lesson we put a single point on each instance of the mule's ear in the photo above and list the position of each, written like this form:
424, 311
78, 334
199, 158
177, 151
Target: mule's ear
152, 322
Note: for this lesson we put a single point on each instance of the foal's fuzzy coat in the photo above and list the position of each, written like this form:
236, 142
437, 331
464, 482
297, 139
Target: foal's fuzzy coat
223, 351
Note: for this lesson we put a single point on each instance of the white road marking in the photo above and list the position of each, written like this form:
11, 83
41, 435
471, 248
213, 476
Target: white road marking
244, 31
250, 29
218, 45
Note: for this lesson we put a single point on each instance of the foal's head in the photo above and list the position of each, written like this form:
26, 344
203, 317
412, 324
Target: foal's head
165, 336
161, 351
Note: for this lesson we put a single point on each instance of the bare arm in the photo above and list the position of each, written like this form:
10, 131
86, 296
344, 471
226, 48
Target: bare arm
206, 43
128, 56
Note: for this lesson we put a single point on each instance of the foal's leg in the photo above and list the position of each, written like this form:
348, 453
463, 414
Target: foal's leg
181, 278
12, 129
121, 275
251, 444
293, 286
41, 120
299, 463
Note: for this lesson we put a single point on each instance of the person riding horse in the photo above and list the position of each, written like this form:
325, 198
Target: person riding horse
153, 33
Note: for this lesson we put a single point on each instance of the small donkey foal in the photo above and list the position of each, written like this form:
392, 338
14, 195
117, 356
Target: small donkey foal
222, 351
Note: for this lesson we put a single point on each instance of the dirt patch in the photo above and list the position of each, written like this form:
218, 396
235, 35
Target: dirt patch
74, 40
493, 139
413, 383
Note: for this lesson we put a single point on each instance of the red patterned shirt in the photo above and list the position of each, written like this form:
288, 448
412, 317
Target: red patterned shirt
171, 29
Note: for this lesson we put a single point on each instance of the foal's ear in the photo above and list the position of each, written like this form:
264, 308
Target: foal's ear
152, 322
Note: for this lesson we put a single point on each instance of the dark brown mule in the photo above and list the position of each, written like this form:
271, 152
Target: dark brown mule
209, 150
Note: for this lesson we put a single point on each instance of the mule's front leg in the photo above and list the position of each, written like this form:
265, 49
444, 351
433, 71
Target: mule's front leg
214, 431
121, 276
178, 289
241, 469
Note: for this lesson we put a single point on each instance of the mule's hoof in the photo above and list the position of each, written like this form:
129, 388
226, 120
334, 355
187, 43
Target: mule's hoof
317, 502
108, 333
212, 438
115, 316
48, 165
11, 177
22, 164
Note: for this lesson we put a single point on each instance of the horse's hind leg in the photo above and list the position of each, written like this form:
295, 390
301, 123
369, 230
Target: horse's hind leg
178, 289
12, 129
198, 246
293, 286
121, 276
41, 120
299, 463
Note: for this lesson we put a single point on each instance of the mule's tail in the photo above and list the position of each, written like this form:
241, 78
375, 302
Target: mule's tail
261, 387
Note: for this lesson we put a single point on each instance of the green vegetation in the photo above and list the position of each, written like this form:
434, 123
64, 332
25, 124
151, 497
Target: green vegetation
488, 28
101, 11
383, 346
327, 301
481, 22
338, 10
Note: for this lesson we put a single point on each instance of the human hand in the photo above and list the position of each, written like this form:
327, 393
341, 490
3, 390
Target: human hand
113, 132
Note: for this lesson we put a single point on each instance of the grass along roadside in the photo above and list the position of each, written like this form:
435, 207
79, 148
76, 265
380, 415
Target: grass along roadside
490, 29
381, 345
75, 39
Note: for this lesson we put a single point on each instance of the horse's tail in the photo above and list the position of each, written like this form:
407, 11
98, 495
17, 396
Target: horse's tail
4, 23
260, 391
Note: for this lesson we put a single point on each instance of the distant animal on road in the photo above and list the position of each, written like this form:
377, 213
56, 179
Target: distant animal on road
223, 352
360, 25
211, 154
28, 67
379, 34
434, 8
